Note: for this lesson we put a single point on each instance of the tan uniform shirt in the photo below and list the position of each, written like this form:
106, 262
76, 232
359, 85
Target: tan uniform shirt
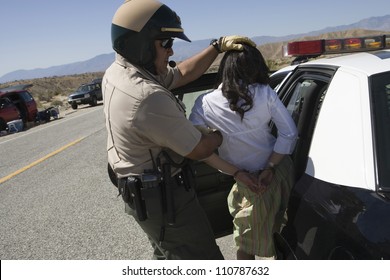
143, 116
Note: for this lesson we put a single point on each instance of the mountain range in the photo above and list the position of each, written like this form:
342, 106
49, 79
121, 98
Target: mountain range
182, 50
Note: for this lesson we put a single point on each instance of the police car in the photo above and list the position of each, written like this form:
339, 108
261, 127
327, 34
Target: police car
340, 204
339, 207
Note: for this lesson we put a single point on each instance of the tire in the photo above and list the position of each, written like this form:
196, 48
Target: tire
341, 253
74, 106
3, 125
93, 101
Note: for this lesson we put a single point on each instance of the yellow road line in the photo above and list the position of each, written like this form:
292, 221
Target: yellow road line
2, 180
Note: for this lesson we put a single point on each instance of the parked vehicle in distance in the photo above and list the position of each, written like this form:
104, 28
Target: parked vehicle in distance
8, 112
23, 100
86, 94
97, 81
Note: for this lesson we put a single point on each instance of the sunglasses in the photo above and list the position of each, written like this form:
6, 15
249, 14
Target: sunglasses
167, 43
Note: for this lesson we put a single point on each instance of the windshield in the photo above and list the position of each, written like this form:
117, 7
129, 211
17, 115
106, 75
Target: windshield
85, 88
26, 96
380, 88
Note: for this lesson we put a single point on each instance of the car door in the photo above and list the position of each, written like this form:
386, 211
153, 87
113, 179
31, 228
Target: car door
333, 218
302, 94
8, 112
25, 103
98, 91
212, 186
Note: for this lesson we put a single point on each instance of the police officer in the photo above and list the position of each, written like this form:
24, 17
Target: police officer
148, 133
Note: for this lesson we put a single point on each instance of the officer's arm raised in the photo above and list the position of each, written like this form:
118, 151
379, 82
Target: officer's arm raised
193, 67
206, 146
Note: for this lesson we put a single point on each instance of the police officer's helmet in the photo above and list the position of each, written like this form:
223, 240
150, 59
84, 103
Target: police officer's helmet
137, 24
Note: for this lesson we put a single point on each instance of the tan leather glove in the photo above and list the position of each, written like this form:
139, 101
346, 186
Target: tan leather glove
230, 43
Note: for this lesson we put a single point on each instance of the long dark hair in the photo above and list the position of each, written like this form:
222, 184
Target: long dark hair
239, 69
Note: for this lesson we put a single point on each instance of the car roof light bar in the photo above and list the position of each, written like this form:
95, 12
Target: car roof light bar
305, 47
336, 46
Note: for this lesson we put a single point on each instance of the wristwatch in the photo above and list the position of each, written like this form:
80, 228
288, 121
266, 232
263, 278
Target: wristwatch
271, 166
215, 44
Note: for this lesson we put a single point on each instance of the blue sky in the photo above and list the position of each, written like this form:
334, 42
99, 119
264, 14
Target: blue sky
44, 33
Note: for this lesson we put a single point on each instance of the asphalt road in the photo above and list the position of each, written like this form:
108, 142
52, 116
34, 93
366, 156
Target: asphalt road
56, 201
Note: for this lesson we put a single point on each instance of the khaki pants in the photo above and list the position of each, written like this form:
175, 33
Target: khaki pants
257, 217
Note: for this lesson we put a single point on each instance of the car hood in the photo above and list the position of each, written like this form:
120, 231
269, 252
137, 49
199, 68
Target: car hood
77, 93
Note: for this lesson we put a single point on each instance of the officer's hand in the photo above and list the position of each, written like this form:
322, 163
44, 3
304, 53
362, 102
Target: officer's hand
207, 131
234, 42
203, 129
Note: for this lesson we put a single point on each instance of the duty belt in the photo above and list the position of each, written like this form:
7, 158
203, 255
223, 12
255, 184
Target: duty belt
151, 193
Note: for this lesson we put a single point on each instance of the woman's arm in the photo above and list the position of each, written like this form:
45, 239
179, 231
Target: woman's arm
239, 175
267, 175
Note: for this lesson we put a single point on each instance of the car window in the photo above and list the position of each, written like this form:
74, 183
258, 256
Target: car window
83, 89
301, 93
380, 89
277, 78
4, 102
303, 101
26, 96
189, 100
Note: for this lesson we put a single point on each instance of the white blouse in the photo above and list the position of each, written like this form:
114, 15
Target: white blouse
247, 143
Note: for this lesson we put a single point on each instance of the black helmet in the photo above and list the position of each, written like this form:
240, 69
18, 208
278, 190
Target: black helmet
137, 24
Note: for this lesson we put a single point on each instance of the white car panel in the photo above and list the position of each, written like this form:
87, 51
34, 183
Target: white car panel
365, 62
333, 156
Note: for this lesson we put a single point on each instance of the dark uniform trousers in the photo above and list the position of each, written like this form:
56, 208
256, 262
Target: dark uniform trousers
189, 238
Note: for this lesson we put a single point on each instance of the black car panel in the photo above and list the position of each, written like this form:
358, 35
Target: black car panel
337, 224
86, 94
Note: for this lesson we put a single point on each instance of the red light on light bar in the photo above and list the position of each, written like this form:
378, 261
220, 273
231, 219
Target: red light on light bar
305, 47
352, 43
333, 45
